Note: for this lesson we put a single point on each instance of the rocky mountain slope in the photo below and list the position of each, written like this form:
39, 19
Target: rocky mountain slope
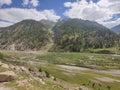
25, 35
73, 35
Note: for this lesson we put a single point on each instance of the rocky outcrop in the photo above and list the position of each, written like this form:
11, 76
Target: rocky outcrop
5, 65
11, 47
7, 76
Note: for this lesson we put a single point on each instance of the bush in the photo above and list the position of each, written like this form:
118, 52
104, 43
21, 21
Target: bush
40, 70
47, 74
104, 52
1, 56
109, 87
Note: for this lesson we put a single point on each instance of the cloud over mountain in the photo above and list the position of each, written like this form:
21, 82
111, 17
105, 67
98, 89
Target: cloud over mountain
18, 14
100, 12
106, 12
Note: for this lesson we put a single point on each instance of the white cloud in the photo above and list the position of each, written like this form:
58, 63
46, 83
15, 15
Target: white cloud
4, 24
31, 3
99, 12
18, 14
7, 2
25, 2
112, 23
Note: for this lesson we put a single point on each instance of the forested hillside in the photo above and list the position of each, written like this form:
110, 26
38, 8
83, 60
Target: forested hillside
79, 35
72, 35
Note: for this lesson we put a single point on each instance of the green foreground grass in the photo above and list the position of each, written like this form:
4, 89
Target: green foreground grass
83, 78
91, 60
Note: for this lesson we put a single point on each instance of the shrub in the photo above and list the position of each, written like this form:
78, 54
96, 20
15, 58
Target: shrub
40, 70
104, 52
47, 74
1, 56
109, 87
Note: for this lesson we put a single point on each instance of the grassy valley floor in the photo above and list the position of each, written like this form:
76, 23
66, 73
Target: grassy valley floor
64, 71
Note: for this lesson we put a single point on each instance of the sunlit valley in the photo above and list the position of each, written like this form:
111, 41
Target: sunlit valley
44, 50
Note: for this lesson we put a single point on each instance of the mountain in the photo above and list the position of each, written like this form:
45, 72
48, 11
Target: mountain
47, 23
25, 35
76, 35
72, 35
116, 28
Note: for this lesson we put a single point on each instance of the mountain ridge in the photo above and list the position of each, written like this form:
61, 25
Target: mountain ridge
77, 35
27, 34
116, 28
72, 35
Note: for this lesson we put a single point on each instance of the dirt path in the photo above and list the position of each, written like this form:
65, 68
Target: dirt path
106, 79
72, 67
109, 72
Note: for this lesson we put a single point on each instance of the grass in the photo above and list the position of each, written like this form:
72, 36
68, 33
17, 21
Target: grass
54, 86
2, 69
1, 55
82, 78
38, 86
85, 78
75, 79
51, 69
102, 61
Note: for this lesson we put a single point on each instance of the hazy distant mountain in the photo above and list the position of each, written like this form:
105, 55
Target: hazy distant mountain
27, 34
78, 35
116, 28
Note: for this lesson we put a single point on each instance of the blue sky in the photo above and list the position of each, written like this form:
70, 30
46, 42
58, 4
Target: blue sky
57, 5
106, 12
